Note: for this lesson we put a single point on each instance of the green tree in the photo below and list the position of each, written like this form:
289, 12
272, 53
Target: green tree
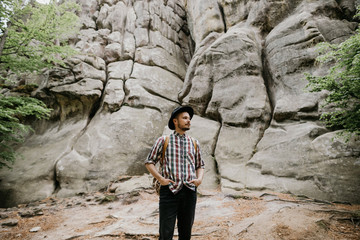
13, 111
33, 37
342, 83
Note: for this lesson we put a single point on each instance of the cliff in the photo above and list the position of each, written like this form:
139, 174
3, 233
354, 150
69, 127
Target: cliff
239, 63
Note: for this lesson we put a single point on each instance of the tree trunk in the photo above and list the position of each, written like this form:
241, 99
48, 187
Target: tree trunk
3, 39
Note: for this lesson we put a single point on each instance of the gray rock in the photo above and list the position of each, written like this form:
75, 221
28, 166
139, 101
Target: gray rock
10, 222
156, 81
240, 64
161, 58
305, 164
128, 46
112, 52
84, 70
114, 95
114, 37
141, 37
239, 94
35, 229
92, 42
286, 158
85, 87
37, 169
88, 11
232, 153
120, 70
133, 184
90, 164
206, 131
31, 213
113, 216
204, 17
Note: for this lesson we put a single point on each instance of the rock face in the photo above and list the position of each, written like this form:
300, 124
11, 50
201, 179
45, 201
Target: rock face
240, 64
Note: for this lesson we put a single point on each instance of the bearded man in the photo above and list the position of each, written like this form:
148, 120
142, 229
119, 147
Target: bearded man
181, 172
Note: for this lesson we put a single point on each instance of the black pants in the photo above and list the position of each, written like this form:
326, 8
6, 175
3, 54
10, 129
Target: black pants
180, 206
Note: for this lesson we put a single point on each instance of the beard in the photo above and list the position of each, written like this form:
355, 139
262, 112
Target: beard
185, 128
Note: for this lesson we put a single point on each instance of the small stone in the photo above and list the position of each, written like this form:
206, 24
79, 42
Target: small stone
31, 213
113, 216
112, 189
10, 222
35, 229
38, 211
26, 214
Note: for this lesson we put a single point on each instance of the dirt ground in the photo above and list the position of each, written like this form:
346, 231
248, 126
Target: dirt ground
134, 215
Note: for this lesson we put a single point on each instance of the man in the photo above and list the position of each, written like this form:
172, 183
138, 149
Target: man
181, 173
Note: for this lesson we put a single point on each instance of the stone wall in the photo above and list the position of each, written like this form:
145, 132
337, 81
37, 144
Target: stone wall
239, 63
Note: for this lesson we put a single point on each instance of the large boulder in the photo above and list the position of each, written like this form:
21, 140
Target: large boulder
288, 157
113, 144
305, 159
235, 95
33, 176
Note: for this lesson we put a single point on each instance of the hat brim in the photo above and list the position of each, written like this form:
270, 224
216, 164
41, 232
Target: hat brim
178, 110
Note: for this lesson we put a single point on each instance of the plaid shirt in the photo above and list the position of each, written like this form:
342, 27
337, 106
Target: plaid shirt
181, 160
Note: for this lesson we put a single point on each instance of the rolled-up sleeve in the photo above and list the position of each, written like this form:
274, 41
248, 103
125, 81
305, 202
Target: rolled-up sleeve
199, 161
156, 151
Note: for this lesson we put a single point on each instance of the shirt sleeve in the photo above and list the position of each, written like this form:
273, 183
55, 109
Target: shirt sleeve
156, 151
199, 161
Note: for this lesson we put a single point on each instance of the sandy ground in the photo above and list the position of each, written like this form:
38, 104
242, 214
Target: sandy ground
252, 215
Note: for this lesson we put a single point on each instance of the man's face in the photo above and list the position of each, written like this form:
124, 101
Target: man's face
182, 121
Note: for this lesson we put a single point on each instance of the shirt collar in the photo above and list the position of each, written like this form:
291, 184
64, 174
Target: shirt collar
178, 134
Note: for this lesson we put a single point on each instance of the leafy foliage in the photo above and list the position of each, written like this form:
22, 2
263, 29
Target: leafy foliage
36, 34
33, 36
13, 110
342, 82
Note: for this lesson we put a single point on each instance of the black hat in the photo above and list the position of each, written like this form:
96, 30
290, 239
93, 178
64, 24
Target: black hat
178, 110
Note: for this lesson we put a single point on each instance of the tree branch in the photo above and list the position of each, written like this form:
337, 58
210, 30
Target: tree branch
3, 38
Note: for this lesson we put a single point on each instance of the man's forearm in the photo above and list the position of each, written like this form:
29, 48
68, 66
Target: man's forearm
152, 169
200, 173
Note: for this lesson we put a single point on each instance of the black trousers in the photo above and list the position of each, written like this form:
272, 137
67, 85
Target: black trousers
180, 206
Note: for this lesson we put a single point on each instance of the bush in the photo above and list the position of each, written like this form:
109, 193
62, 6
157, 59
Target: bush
342, 83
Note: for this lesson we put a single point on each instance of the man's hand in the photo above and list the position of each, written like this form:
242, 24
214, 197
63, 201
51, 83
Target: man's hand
164, 181
196, 182
199, 175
